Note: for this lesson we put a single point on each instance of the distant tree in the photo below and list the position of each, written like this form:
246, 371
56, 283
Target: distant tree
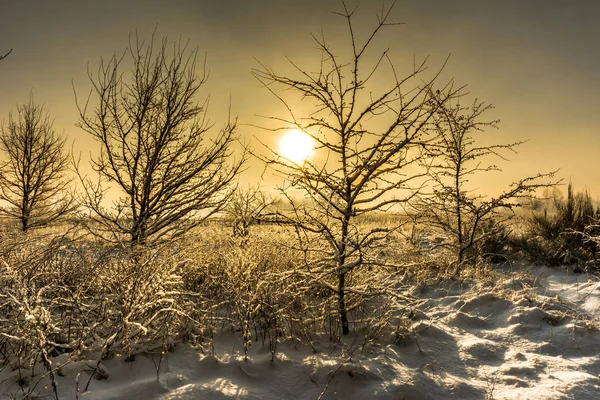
34, 178
368, 135
156, 147
467, 217
245, 208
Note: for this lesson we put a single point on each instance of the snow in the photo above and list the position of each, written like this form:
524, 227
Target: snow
531, 334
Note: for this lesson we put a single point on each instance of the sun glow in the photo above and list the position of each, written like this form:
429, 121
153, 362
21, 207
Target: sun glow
296, 147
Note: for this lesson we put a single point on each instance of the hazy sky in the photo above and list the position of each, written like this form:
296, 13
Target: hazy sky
537, 62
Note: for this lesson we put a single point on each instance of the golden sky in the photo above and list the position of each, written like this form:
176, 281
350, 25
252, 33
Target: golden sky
536, 61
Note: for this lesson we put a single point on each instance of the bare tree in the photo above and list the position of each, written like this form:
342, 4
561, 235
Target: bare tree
246, 207
156, 147
367, 138
34, 178
468, 218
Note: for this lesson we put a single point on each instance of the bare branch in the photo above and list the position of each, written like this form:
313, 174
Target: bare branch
6, 55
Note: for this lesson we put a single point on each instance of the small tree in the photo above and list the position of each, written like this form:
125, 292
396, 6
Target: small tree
367, 137
34, 178
245, 208
467, 217
155, 146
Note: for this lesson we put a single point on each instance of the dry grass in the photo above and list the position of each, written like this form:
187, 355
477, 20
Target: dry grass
65, 293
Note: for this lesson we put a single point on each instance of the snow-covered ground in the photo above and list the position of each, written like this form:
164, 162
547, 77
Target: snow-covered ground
531, 335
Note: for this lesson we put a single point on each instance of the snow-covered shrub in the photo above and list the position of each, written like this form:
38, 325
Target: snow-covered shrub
60, 294
145, 299
32, 329
250, 288
68, 296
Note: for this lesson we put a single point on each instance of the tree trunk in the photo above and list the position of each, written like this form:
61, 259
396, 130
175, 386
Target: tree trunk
459, 260
24, 213
342, 303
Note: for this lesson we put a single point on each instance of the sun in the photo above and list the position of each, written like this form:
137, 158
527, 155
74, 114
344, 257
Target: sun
296, 146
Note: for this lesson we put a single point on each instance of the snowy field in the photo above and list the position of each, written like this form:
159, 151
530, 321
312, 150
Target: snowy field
530, 335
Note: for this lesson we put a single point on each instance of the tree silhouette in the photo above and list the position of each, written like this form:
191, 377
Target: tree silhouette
34, 178
155, 145
468, 218
367, 139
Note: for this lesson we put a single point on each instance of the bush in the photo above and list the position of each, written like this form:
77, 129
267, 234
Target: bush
556, 236
496, 241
